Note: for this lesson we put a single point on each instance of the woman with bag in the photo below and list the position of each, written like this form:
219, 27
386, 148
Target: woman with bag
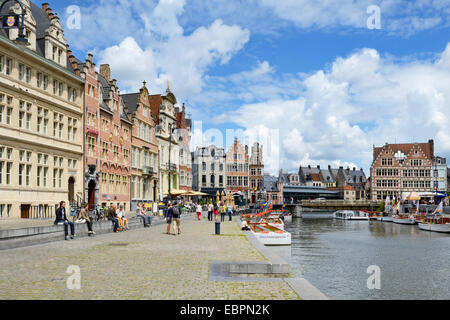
199, 211
85, 216
216, 212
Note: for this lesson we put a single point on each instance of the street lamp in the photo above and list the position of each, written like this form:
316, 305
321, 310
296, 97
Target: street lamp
14, 21
170, 152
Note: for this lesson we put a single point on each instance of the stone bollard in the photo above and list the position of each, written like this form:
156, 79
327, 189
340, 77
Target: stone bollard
217, 228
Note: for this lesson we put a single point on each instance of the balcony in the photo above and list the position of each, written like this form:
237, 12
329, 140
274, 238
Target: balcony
148, 171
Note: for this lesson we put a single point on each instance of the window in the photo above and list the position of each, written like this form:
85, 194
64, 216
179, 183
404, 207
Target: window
45, 82
38, 79
91, 146
27, 75
21, 71
2, 63
8, 66
105, 150
60, 87
55, 86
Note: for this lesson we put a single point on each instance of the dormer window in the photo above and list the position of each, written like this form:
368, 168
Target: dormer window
54, 54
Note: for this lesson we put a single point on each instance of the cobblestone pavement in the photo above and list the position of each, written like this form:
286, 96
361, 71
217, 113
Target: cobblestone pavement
141, 264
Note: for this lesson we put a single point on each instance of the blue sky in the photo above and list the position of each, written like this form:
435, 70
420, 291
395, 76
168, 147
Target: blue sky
311, 70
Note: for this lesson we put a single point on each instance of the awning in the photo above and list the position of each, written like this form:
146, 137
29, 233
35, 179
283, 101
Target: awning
176, 192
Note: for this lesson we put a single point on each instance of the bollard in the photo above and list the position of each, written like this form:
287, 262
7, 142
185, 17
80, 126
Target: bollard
217, 227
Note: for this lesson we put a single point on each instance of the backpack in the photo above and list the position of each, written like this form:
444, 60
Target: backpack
176, 212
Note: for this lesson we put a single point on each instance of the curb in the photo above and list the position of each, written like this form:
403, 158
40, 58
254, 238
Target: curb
304, 289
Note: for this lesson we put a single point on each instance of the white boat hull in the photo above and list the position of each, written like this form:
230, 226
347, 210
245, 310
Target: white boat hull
444, 228
274, 239
379, 218
387, 219
405, 221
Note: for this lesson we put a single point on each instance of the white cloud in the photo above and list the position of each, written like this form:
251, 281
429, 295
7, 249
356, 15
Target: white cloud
361, 100
181, 59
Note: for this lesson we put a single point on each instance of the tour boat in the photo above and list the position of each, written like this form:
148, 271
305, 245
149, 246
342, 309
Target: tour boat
351, 215
274, 221
405, 219
376, 216
387, 219
438, 224
287, 216
269, 235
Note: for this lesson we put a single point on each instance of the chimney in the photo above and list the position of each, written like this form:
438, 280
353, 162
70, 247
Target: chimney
105, 71
329, 167
341, 168
74, 65
44, 6
309, 166
90, 57
354, 168
318, 167
431, 143
50, 16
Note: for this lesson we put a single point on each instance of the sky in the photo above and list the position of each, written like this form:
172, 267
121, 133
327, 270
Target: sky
315, 82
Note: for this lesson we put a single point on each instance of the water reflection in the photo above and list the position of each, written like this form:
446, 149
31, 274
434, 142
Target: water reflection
334, 255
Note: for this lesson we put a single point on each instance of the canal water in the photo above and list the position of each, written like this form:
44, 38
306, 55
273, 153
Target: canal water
334, 256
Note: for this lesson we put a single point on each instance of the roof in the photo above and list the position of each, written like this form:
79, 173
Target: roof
270, 183
42, 24
315, 177
131, 101
155, 104
302, 189
405, 148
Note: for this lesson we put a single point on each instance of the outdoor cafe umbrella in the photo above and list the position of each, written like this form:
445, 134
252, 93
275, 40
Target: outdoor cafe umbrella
176, 192
413, 196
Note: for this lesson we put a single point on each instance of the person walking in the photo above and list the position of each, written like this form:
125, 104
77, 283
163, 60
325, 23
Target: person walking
84, 215
121, 215
199, 211
229, 211
111, 215
223, 211
168, 216
61, 217
216, 212
210, 211
176, 218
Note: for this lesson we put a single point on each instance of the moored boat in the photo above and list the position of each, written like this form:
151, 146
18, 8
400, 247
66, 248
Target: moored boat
351, 215
274, 221
269, 235
436, 225
437, 222
405, 219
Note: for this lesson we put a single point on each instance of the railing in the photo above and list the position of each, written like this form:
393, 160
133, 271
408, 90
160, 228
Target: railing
306, 203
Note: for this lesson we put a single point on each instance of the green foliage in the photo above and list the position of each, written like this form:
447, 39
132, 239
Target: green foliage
381, 207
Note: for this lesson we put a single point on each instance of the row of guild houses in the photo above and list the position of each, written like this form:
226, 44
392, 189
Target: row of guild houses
234, 171
68, 134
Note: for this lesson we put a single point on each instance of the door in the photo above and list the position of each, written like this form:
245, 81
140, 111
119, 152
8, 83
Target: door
25, 211
71, 189
91, 195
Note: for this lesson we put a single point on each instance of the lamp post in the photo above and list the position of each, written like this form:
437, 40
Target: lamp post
10, 21
170, 152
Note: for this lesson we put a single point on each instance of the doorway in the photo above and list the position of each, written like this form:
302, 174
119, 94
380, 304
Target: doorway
71, 190
91, 195
25, 211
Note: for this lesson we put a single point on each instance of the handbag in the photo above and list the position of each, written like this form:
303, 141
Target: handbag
81, 221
